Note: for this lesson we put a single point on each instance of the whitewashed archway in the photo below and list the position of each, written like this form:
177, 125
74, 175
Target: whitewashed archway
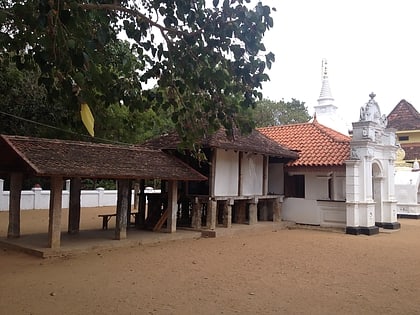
370, 191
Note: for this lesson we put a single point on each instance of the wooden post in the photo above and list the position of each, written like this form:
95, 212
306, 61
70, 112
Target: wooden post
129, 204
211, 214
122, 209
136, 188
264, 211
253, 211
265, 175
141, 217
227, 213
13, 230
196, 214
240, 214
276, 210
172, 206
54, 224
74, 206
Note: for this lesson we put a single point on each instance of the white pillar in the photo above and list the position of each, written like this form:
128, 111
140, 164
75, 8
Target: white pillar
172, 206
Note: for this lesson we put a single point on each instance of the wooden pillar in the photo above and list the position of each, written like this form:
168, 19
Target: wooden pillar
211, 214
122, 209
129, 203
196, 214
13, 230
136, 188
240, 214
54, 224
141, 217
227, 213
253, 211
265, 175
172, 206
263, 212
276, 210
74, 206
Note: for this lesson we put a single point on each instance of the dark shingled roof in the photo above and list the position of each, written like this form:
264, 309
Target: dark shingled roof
404, 117
254, 142
46, 157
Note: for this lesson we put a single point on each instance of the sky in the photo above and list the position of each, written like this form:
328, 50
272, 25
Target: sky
370, 46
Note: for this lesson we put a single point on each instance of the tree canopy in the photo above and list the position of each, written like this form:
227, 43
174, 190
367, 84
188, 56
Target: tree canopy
201, 63
271, 113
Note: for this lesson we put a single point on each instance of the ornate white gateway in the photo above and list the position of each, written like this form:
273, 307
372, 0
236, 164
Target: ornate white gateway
370, 190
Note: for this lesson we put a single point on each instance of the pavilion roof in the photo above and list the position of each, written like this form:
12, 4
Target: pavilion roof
254, 142
51, 157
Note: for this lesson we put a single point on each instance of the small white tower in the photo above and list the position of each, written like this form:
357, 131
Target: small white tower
326, 112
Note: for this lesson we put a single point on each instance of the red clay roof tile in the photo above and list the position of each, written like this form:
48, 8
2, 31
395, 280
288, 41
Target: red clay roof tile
317, 144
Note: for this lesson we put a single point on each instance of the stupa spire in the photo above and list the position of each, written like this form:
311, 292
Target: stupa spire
325, 97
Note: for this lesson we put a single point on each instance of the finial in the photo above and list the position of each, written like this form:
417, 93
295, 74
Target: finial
324, 69
372, 95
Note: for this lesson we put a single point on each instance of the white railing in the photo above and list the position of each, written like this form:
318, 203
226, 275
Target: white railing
37, 198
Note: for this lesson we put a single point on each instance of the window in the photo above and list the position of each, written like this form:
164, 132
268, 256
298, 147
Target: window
294, 186
403, 138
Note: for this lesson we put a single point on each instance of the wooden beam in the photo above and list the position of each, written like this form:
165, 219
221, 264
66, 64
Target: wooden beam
13, 230
122, 209
54, 224
74, 205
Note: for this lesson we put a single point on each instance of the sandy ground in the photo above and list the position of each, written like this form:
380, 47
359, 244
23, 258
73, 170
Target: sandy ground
290, 271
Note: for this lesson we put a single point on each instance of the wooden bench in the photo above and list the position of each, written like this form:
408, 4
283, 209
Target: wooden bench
107, 217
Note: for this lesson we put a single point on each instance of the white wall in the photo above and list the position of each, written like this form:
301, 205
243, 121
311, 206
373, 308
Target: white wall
323, 213
316, 208
301, 210
40, 199
252, 168
226, 173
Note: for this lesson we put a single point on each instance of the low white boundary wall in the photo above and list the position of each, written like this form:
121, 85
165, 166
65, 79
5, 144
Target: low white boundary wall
37, 198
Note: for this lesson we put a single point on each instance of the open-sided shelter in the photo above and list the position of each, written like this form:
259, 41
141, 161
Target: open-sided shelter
61, 159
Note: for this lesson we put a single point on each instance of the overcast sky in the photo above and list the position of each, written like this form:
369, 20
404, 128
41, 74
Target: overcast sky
370, 46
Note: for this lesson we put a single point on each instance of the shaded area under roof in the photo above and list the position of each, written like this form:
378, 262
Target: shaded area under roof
317, 144
254, 142
46, 157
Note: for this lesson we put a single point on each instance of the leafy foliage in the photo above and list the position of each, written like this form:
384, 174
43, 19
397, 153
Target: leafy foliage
271, 113
203, 65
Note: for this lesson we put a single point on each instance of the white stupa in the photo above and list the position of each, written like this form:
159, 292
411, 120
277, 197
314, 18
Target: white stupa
326, 112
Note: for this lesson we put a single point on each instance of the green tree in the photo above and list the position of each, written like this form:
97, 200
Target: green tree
206, 63
271, 113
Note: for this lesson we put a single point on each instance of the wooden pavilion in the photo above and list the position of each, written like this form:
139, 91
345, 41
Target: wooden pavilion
62, 159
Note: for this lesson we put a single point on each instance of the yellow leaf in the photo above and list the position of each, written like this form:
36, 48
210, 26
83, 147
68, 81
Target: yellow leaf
87, 118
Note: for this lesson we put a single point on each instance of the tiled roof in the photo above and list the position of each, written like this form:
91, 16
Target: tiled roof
254, 142
46, 157
317, 144
404, 117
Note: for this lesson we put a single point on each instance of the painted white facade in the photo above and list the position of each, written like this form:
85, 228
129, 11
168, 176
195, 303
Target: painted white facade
324, 202
227, 177
226, 173
252, 174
